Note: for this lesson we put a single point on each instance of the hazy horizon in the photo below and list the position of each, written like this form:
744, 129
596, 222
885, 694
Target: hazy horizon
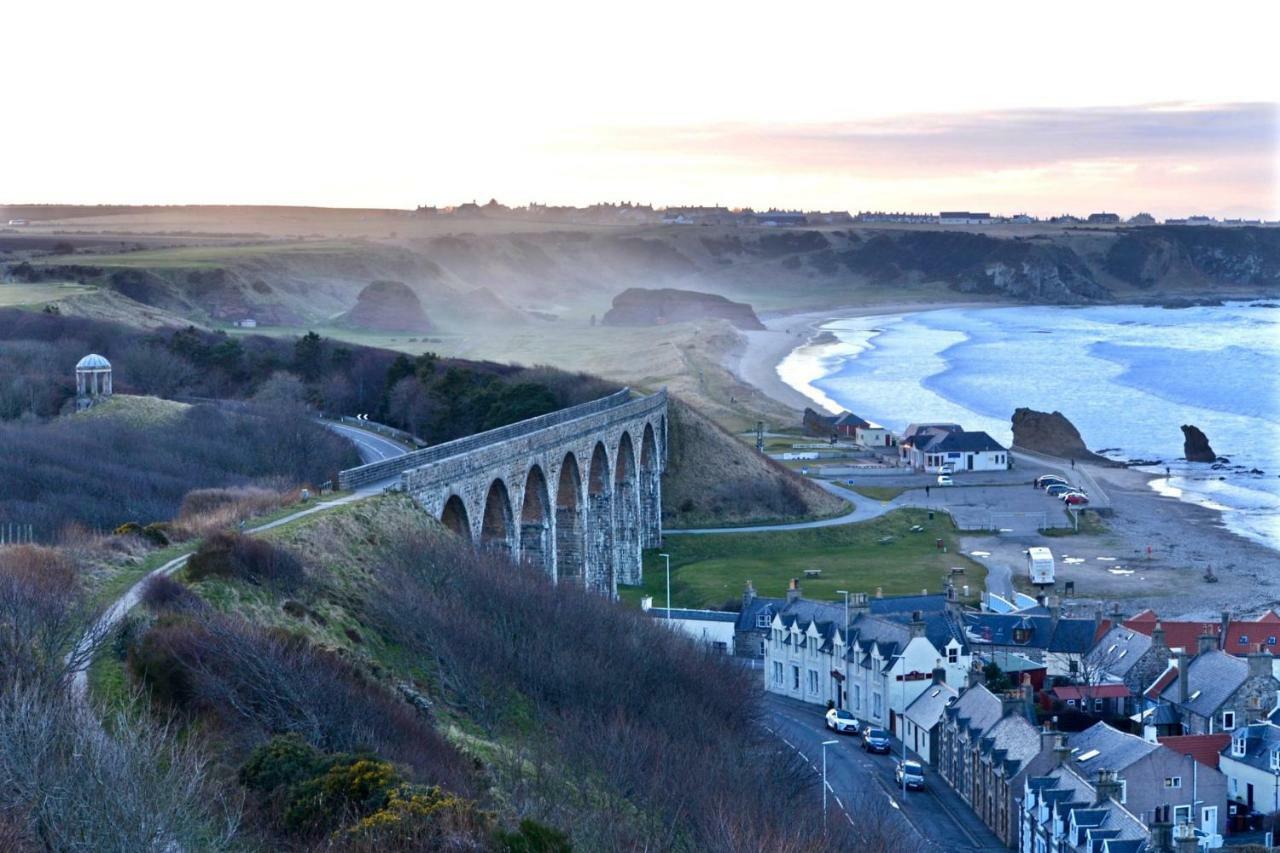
1011, 110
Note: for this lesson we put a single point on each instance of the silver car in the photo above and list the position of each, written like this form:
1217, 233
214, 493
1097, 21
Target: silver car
909, 774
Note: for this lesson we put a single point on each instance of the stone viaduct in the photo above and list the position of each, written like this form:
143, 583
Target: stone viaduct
576, 492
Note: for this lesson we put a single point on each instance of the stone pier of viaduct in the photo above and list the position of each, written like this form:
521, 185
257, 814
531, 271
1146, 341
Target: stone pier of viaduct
576, 492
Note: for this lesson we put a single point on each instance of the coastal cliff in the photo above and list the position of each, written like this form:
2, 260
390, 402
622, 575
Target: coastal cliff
1052, 434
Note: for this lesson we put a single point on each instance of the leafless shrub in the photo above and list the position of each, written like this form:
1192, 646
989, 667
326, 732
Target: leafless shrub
232, 555
206, 511
42, 612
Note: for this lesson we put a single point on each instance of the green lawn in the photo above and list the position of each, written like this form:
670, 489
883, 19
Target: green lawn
711, 570
876, 493
31, 295
199, 257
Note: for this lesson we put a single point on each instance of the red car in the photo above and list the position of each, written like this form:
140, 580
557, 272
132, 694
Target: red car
1076, 499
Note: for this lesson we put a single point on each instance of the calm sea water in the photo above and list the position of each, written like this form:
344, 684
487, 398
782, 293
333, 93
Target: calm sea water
1126, 376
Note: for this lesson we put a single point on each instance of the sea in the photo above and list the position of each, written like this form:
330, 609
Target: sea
1126, 376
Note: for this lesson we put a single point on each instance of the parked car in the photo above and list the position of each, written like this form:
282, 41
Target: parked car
1076, 499
909, 774
945, 480
1060, 488
841, 721
1049, 480
876, 740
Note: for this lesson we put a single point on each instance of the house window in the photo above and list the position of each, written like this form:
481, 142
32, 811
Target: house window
1238, 746
1097, 704
1271, 641
1182, 814
953, 654
777, 673
1073, 666
1244, 639
762, 620
875, 705
857, 697
795, 677
1071, 703
1228, 720
813, 681
1173, 781
1275, 759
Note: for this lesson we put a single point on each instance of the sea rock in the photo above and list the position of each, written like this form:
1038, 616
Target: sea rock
1052, 434
387, 306
1195, 445
639, 306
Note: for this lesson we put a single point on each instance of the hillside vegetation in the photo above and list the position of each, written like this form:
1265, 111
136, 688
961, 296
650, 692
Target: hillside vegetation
369, 682
713, 478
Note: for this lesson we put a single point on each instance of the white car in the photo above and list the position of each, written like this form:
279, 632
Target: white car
945, 480
841, 721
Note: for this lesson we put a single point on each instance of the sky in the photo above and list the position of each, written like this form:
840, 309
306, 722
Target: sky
1010, 107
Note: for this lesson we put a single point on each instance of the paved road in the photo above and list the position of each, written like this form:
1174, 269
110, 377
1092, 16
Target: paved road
371, 448
936, 816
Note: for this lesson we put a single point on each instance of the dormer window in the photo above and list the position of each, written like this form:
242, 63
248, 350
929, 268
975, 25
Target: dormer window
1022, 636
762, 620
1275, 758
1238, 747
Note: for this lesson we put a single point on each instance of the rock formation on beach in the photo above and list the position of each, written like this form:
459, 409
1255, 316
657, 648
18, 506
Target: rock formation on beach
1052, 434
639, 306
1195, 445
387, 306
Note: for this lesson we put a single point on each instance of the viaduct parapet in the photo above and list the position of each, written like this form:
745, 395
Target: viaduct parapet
577, 492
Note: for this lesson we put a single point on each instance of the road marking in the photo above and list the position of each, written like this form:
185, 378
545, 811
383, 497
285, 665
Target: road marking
838, 803
894, 803
803, 757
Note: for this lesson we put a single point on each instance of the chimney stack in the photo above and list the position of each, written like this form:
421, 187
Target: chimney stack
939, 673
1048, 736
916, 628
1107, 785
976, 674
1161, 827
1259, 663
1226, 625
1184, 686
1208, 641
1184, 839
793, 591
748, 595
1061, 751
1157, 636
879, 592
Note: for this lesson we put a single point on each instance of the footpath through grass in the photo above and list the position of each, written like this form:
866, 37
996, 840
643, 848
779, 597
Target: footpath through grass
711, 570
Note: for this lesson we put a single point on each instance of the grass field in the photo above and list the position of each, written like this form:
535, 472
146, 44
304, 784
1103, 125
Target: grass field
711, 570
197, 257
38, 294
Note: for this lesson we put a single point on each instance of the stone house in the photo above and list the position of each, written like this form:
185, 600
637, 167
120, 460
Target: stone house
1216, 692
1059, 810
1061, 643
1152, 774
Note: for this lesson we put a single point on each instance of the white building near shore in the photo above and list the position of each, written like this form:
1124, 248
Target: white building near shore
713, 627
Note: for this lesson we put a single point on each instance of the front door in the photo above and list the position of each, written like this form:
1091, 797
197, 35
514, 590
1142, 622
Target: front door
1249, 797
969, 461
1209, 820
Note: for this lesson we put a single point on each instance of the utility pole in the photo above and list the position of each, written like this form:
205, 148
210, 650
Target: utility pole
667, 557
760, 436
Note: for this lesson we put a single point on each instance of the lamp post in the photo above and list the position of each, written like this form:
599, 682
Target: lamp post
667, 558
825, 744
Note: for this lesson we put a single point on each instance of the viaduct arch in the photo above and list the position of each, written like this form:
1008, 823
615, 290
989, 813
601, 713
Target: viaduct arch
577, 493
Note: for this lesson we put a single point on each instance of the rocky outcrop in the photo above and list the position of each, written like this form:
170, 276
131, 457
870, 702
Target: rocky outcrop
1195, 445
638, 306
387, 306
1052, 434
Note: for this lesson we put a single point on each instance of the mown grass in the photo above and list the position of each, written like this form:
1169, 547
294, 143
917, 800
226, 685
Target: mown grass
876, 493
710, 570
33, 295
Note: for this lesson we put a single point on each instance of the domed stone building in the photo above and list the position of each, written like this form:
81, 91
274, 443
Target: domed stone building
93, 380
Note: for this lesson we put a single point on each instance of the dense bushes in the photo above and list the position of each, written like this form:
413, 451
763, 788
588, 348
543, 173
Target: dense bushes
230, 555
625, 734
103, 472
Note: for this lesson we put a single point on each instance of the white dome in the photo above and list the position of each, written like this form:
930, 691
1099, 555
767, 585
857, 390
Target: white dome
93, 361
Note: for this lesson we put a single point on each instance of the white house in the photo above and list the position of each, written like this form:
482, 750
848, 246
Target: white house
1251, 763
713, 627
875, 668
934, 448
918, 725
873, 435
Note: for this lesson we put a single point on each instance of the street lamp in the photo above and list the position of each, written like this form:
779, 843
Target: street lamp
667, 557
825, 744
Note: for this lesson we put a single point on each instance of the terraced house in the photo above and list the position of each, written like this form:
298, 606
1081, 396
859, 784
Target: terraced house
875, 666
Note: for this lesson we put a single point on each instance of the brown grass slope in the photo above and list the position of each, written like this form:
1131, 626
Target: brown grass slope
713, 478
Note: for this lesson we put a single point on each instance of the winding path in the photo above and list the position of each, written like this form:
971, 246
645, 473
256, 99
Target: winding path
863, 510
370, 446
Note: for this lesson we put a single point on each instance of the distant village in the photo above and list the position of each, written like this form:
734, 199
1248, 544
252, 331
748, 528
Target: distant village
626, 212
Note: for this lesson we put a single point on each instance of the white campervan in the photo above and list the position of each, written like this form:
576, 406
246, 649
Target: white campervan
1040, 565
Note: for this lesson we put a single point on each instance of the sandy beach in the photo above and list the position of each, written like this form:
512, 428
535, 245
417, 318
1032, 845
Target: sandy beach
1155, 549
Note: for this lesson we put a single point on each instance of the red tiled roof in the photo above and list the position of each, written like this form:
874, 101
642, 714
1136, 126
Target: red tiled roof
1157, 687
1203, 748
1258, 635
1095, 691
1177, 635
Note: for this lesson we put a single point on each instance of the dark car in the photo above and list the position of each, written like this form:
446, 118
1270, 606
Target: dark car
1049, 480
1059, 489
876, 740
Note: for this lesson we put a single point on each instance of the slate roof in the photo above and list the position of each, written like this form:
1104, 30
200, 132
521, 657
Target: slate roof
1075, 800
1119, 651
1116, 749
1211, 679
907, 603
851, 420
1091, 691
1011, 742
966, 442
1203, 748
928, 707
1072, 635
747, 616
1260, 740
1012, 662
695, 615
977, 708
